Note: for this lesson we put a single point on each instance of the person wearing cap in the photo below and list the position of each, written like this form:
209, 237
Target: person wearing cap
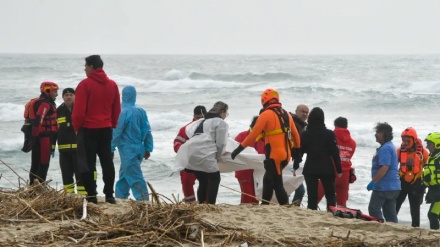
188, 179
431, 178
135, 142
67, 145
385, 182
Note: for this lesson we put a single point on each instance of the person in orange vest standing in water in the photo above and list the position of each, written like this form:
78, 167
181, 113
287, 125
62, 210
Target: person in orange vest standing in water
412, 156
246, 177
282, 142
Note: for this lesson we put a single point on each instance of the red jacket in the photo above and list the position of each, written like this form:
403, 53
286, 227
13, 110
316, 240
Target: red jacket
259, 146
181, 138
346, 146
97, 102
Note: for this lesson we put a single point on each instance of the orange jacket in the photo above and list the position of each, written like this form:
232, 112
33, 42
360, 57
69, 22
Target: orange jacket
415, 160
276, 145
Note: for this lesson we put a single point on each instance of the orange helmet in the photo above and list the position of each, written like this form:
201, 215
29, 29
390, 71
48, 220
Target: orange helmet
269, 94
48, 87
411, 132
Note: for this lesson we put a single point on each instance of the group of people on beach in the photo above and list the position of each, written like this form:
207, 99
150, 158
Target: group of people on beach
91, 122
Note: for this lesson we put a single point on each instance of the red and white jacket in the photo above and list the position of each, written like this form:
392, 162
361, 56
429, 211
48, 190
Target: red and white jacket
346, 146
181, 137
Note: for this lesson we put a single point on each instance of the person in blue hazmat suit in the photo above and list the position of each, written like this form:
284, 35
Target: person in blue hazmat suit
134, 141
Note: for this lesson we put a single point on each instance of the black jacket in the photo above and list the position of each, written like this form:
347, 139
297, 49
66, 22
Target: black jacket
299, 123
66, 133
322, 152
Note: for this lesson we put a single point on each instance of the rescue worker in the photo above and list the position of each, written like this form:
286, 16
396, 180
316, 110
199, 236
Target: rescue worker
431, 178
246, 177
281, 141
205, 149
187, 178
412, 156
67, 144
347, 147
44, 130
134, 141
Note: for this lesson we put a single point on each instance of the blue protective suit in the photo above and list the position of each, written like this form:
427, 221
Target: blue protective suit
133, 138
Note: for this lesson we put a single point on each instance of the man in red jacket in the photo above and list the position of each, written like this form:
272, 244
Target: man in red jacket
96, 112
188, 179
346, 146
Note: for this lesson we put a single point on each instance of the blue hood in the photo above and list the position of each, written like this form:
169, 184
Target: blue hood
128, 96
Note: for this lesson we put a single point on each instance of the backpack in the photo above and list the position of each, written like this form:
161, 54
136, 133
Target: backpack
29, 116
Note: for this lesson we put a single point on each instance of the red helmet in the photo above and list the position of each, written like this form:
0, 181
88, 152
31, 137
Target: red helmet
269, 94
48, 87
411, 132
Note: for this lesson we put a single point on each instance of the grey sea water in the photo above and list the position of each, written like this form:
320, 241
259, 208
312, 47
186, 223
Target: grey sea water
401, 90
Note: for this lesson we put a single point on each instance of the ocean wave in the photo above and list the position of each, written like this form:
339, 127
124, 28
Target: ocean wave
248, 77
10, 112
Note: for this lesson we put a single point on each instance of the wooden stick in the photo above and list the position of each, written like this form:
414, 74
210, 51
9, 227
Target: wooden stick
12, 170
259, 199
35, 212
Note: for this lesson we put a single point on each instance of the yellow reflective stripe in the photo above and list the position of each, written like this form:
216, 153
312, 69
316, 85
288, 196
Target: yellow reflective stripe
81, 190
68, 124
69, 188
53, 146
66, 146
270, 133
436, 208
61, 120
95, 175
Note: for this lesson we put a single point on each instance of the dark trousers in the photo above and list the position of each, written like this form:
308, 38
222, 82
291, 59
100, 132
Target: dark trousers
328, 182
69, 168
415, 197
208, 186
92, 142
272, 181
41, 148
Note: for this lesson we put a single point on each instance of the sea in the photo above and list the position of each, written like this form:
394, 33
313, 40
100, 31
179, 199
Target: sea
403, 90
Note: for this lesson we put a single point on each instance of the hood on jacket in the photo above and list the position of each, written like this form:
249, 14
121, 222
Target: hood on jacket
342, 134
98, 75
128, 96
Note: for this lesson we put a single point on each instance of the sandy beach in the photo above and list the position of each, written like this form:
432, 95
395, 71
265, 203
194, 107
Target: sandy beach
27, 220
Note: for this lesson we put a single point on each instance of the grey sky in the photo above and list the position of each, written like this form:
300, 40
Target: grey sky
219, 27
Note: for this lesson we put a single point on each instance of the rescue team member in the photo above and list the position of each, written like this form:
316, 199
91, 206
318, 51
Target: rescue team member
246, 177
135, 142
44, 130
187, 178
95, 113
205, 149
300, 120
281, 139
319, 143
67, 144
412, 156
385, 181
431, 178
347, 147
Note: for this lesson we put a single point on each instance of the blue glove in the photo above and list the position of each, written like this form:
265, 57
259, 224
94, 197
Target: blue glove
52, 153
371, 186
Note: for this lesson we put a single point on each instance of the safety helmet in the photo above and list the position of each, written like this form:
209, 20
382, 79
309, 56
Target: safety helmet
269, 94
434, 138
48, 87
411, 132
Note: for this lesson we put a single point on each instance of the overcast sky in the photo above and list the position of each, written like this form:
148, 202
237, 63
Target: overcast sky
220, 27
